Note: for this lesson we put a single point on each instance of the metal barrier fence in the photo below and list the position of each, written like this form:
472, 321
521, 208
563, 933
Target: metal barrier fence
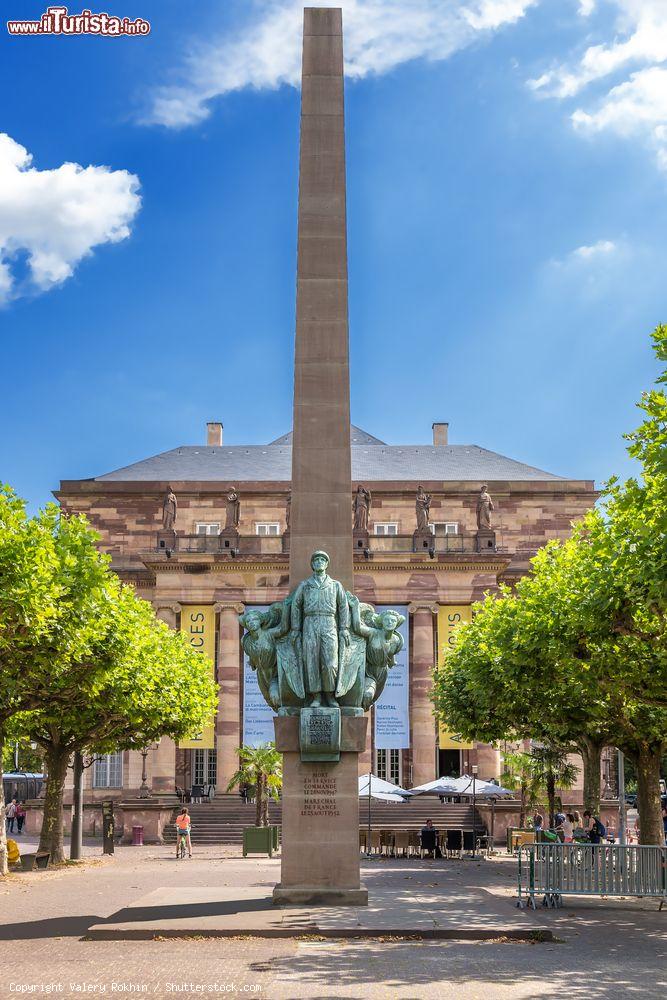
555, 870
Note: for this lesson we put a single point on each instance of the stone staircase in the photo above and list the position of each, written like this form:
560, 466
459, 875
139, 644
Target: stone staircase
222, 820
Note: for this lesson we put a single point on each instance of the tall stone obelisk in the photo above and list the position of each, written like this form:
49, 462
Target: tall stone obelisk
321, 467
320, 831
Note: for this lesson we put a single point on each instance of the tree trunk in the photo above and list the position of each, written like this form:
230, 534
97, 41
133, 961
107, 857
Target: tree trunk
591, 755
51, 836
651, 829
258, 798
265, 803
4, 869
550, 782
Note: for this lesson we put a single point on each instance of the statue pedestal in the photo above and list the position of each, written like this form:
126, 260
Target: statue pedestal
485, 540
320, 831
422, 541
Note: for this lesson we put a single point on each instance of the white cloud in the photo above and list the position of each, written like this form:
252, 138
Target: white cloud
586, 7
56, 217
379, 35
599, 249
591, 271
635, 104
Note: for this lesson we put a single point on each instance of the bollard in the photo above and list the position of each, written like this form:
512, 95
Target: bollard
137, 836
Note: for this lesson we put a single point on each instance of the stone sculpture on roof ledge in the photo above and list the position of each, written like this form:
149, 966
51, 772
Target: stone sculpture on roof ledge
321, 649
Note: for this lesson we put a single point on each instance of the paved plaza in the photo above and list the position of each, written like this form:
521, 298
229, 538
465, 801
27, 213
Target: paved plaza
612, 949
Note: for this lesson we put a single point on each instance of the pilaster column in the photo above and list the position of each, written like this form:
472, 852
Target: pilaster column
163, 758
227, 725
422, 719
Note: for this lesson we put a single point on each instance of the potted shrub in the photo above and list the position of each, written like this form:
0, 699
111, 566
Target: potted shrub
262, 768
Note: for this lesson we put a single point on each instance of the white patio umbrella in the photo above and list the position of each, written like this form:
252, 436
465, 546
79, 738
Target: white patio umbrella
380, 789
461, 786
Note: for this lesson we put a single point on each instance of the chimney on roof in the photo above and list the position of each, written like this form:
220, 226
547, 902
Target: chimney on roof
214, 439
440, 435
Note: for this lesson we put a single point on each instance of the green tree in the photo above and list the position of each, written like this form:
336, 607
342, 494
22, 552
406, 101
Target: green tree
553, 770
519, 776
578, 653
30, 757
52, 587
152, 684
262, 768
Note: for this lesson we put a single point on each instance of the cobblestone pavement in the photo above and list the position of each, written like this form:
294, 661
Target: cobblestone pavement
616, 950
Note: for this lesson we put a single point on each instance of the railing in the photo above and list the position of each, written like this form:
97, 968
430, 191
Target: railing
555, 870
434, 545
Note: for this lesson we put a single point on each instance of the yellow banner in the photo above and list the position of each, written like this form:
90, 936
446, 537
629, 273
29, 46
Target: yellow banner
198, 623
450, 616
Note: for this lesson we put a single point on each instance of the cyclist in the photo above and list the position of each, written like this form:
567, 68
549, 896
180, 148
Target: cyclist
183, 832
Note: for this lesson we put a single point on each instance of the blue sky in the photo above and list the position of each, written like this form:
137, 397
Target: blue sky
507, 181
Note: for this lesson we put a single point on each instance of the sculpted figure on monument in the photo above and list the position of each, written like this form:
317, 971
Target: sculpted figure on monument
362, 508
320, 613
288, 511
484, 508
169, 510
321, 646
383, 642
232, 509
423, 509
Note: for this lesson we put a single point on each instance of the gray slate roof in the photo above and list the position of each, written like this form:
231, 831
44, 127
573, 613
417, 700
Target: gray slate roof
372, 461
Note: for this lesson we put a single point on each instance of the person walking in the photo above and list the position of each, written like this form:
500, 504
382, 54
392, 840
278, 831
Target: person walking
183, 827
20, 816
10, 814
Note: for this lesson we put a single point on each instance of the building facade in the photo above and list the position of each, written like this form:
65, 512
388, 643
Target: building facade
224, 546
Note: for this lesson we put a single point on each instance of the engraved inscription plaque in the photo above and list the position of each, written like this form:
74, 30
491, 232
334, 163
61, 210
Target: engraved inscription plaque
319, 734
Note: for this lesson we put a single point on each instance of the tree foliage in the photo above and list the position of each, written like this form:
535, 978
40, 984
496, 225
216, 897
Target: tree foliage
261, 768
84, 663
577, 653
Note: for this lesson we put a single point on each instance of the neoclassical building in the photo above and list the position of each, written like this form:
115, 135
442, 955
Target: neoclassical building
202, 532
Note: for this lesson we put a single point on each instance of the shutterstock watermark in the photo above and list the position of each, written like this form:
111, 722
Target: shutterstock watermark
58, 21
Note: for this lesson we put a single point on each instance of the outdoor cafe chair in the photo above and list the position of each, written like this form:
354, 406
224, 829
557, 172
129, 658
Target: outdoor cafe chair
401, 842
386, 842
454, 843
414, 843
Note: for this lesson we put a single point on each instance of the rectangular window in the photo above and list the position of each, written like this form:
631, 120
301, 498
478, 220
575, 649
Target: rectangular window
203, 767
386, 529
268, 529
206, 528
445, 528
108, 771
388, 765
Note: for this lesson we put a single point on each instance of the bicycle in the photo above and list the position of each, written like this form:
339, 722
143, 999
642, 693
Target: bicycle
181, 845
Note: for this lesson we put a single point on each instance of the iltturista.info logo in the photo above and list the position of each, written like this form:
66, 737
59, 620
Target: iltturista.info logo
58, 21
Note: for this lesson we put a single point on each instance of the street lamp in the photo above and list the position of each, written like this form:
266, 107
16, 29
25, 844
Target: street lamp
475, 769
144, 791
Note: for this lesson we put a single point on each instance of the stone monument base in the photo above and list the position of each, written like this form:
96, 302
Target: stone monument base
320, 828
317, 896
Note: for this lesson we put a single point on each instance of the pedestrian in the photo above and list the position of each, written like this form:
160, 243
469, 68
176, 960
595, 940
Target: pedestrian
243, 792
183, 826
664, 819
568, 828
10, 814
595, 828
538, 823
20, 816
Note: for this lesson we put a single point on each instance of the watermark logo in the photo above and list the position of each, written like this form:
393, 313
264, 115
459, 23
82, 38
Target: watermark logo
58, 21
